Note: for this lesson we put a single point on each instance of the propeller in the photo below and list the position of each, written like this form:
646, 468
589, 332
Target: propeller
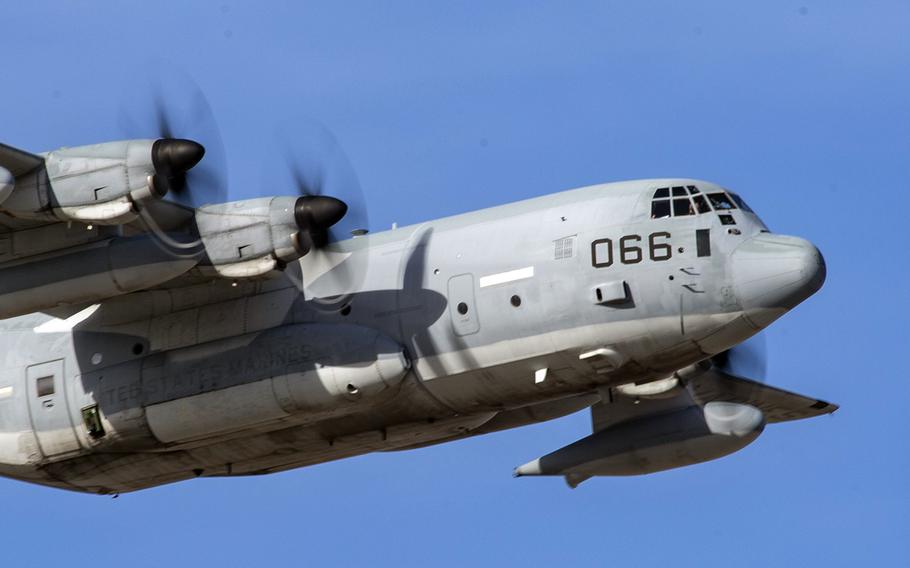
748, 360
170, 106
316, 215
173, 158
316, 166
331, 208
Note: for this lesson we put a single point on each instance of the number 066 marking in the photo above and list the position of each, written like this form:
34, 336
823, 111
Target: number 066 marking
630, 251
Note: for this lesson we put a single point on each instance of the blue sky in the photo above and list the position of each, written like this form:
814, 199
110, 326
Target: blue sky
442, 108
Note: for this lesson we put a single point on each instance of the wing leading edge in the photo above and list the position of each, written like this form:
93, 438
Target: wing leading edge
18, 161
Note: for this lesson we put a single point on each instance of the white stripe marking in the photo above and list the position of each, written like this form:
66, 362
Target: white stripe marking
505, 277
600, 352
6, 392
58, 325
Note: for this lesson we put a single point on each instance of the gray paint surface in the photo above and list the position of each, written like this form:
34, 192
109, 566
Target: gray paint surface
408, 337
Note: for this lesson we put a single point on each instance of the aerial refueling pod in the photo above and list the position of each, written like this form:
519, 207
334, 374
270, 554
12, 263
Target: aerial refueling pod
654, 443
7, 184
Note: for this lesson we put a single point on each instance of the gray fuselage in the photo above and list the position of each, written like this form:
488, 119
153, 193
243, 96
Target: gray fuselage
417, 335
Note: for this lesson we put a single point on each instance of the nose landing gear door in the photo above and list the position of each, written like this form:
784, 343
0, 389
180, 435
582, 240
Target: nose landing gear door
49, 410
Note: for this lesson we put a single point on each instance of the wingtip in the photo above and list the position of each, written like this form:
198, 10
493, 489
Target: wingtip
530, 468
826, 407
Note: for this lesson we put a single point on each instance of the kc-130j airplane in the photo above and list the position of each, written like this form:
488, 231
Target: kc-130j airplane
151, 334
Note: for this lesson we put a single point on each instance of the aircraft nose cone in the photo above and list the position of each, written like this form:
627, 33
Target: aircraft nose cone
7, 183
773, 273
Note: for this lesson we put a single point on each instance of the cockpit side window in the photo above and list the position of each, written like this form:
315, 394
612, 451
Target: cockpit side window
679, 191
660, 208
741, 202
701, 204
721, 202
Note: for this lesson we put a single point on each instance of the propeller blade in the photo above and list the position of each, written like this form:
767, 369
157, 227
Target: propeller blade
332, 208
165, 129
315, 165
309, 182
748, 360
170, 106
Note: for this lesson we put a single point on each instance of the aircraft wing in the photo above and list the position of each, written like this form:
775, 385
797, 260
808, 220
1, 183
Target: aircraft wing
56, 254
616, 408
18, 161
778, 405
711, 385
85, 224
700, 413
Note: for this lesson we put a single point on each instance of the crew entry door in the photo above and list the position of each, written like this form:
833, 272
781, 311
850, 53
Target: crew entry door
49, 410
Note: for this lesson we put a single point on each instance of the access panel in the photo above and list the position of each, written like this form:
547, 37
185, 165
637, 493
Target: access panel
462, 307
49, 410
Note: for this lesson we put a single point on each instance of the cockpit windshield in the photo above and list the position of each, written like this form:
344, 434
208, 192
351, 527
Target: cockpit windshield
681, 201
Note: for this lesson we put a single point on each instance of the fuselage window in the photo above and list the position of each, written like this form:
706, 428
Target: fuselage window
682, 207
44, 386
721, 202
660, 208
701, 204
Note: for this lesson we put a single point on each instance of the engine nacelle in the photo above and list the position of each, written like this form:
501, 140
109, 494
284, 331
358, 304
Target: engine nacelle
654, 443
7, 184
100, 183
250, 238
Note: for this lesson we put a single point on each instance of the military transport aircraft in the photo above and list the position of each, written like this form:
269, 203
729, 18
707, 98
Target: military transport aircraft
154, 331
